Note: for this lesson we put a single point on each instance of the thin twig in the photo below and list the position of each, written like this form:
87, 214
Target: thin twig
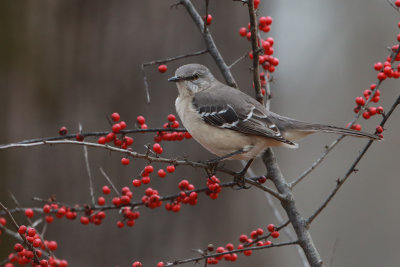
238, 60
109, 181
85, 153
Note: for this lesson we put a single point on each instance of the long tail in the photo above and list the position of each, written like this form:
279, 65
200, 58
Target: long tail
340, 130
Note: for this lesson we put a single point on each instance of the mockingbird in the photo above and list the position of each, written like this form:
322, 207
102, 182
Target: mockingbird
233, 125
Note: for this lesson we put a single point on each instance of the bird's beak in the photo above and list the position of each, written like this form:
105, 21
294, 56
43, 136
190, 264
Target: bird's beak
174, 79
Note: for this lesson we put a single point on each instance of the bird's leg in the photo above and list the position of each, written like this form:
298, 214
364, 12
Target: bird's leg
216, 160
213, 163
239, 178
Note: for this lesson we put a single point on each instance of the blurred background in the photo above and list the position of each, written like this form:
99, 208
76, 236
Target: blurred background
67, 62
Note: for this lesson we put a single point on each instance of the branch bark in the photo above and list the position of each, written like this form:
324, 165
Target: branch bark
298, 222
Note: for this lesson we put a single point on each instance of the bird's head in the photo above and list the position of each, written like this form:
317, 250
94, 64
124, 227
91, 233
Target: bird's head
192, 78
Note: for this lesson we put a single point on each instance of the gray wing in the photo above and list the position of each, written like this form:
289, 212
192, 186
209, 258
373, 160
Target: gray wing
229, 108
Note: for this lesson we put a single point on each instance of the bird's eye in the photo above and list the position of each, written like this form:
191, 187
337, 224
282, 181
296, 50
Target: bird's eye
196, 76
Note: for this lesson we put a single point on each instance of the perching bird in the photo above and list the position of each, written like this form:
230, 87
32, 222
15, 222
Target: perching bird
231, 124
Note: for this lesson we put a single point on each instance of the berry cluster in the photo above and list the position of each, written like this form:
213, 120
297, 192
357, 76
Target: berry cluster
171, 136
121, 141
186, 196
266, 59
214, 187
34, 249
245, 242
54, 208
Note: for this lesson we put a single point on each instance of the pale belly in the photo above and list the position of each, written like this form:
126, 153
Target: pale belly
218, 141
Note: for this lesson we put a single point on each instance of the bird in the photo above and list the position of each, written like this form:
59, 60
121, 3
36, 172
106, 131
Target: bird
231, 124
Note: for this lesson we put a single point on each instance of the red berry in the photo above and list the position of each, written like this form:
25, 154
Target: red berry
262, 179
271, 227
137, 264
37, 242
22, 229
52, 245
125, 161
275, 234
372, 110
101, 201
116, 128
115, 116
263, 21
79, 137
160, 264
247, 252
381, 76
360, 101
148, 169
29, 213
256, 3
140, 120
260, 231
243, 31
49, 219
209, 19
356, 127
162, 69
122, 124
378, 66
379, 110
161, 173
63, 130
375, 99
157, 148
106, 190
243, 238
3, 221
397, 3
170, 168
136, 182
145, 179
366, 115
18, 247
31, 232
102, 140
171, 117
379, 129
84, 220
175, 124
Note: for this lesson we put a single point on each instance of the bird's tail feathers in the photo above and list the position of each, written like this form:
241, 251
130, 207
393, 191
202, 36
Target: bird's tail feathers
340, 130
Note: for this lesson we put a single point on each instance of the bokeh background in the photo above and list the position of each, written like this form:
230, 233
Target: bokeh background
67, 62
